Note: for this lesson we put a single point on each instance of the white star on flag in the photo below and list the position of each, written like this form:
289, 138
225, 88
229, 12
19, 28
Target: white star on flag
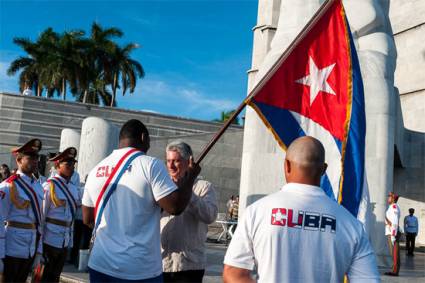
316, 80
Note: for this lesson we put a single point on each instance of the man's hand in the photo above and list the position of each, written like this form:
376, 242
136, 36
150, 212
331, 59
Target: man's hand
192, 172
176, 202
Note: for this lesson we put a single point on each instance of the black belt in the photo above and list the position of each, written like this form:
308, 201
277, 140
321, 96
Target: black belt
59, 222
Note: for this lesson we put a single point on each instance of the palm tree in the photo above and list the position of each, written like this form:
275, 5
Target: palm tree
28, 64
128, 68
91, 67
67, 60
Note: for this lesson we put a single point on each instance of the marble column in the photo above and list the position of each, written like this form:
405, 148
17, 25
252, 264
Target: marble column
98, 139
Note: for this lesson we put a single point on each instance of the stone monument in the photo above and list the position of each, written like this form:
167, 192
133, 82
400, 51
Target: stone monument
262, 159
98, 139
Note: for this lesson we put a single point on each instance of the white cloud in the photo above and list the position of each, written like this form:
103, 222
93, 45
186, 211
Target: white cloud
201, 101
186, 97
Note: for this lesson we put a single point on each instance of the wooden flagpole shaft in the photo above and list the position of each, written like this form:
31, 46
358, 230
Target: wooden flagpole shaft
208, 147
271, 72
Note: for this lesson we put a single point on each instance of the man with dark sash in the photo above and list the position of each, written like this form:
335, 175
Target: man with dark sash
21, 198
61, 200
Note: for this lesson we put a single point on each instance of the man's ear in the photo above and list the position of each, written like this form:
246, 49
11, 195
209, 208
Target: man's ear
287, 166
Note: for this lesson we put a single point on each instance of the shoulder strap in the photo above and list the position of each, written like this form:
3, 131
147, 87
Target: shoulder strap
72, 203
111, 183
33, 199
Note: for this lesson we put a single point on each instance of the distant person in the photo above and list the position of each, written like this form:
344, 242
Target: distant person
228, 205
21, 199
392, 232
299, 234
183, 237
411, 226
61, 201
27, 91
128, 204
4, 172
234, 209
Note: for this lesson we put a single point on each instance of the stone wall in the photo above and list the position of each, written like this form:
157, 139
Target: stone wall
408, 23
25, 117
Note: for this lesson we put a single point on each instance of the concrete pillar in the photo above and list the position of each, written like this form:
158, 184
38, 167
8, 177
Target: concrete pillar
98, 139
69, 137
262, 158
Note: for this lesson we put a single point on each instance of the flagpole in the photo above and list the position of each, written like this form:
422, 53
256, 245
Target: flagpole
212, 142
273, 69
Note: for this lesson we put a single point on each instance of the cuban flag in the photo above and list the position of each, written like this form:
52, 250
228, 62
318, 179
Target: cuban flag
316, 89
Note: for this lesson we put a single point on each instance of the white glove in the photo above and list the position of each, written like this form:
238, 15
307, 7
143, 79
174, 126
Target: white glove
1, 265
38, 259
392, 240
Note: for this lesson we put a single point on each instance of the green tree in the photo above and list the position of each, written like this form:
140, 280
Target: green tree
225, 115
127, 68
91, 67
29, 65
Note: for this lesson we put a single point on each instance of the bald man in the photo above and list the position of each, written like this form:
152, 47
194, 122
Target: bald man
299, 234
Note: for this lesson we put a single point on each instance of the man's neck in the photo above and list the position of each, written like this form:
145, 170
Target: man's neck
64, 177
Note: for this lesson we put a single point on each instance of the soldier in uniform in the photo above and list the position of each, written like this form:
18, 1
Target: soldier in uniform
21, 198
61, 201
392, 232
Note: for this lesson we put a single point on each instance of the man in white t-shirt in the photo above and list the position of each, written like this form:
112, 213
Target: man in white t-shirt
299, 234
127, 243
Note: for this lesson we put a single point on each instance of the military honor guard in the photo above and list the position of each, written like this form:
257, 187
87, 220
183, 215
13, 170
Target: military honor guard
21, 199
61, 201
392, 232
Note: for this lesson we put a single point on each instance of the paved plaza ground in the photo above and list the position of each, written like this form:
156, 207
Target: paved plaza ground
412, 268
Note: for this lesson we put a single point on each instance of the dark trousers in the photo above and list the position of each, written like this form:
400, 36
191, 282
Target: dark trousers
55, 259
98, 277
395, 253
82, 235
410, 243
192, 276
16, 269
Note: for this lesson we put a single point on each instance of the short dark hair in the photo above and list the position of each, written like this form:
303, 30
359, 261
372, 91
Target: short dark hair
133, 130
4, 166
411, 210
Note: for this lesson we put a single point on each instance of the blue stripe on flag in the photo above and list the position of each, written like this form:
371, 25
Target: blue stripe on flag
325, 184
288, 129
355, 150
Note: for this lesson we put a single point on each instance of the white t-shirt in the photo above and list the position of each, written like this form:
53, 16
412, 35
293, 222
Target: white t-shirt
127, 244
300, 235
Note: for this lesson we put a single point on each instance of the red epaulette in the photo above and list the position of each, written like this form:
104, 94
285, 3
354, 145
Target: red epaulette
394, 206
12, 178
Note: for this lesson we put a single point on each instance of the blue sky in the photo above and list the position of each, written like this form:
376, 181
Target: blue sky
195, 53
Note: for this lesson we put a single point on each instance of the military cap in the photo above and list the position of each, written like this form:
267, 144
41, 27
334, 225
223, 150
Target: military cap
68, 154
31, 147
